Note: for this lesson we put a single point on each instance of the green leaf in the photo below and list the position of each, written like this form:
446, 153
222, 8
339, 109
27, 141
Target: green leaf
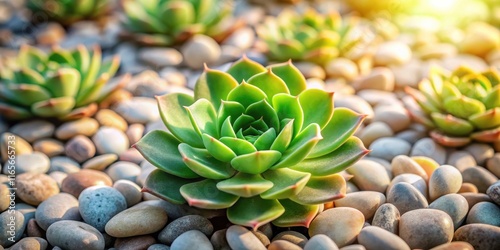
245, 185
256, 162
254, 212
62, 57
160, 148
179, 13
218, 149
65, 82
317, 106
54, 107
32, 57
452, 125
24, 94
245, 68
284, 138
296, 215
243, 122
270, 83
165, 186
230, 109
82, 59
30, 76
227, 129
286, 183
341, 127
239, 146
265, 140
287, 106
176, 117
205, 194
347, 154
492, 99
214, 86
203, 118
264, 110
289, 49
292, 76
89, 78
321, 189
14, 112
246, 94
204, 164
487, 120
463, 107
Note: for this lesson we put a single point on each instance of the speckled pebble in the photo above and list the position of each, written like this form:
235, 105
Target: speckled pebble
413, 179
406, 197
444, 180
35, 188
480, 236
454, 205
58, 207
75, 183
184, 224
8, 231
485, 213
387, 217
74, 235
192, 239
99, 204
341, 224
30, 243
426, 228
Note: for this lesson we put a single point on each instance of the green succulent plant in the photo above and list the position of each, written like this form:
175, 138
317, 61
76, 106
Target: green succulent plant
68, 11
267, 149
167, 22
64, 84
461, 107
310, 36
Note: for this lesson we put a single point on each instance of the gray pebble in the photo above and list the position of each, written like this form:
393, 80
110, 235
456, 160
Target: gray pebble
387, 217
320, 241
30, 243
138, 110
160, 57
33, 130
80, 148
63, 164
11, 227
239, 237
129, 190
369, 176
219, 241
376, 238
494, 192
480, 177
481, 152
98, 204
75, 235
427, 147
480, 236
109, 140
61, 206
461, 160
192, 239
36, 163
388, 147
454, 205
413, 179
184, 224
485, 213
444, 180
405, 197
123, 170
425, 228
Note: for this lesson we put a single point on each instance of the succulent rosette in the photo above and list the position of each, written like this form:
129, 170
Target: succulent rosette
63, 84
312, 36
253, 140
68, 11
461, 107
167, 22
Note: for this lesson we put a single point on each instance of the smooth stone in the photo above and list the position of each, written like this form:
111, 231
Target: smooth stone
35, 188
33, 230
293, 237
375, 97
137, 220
392, 53
30, 243
427, 147
262, 237
406, 197
99, 204
416, 181
80, 148
243, 38
454, 205
35, 163
455, 245
480, 236
320, 241
33, 130
12, 225
109, 118
444, 180
84, 126
474, 198
389, 147
147, 84
134, 132
192, 239
461, 160
160, 57
21, 146
129, 190
367, 202
481, 152
74, 235
310, 70
353, 247
63, 164
75, 183
219, 241
123, 170
184, 224
176, 211
283, 244
100, 162
480, 38
376, 238
59, 207
132, 155
267, 229
387, 217
138, 110
341, 224
411, 136
480, 177
468, 188
200, 49
378, 79
4, 197
342, 68
135, 243
494, 192
403, 164
374, 131
49, 147
355, 103
239, 237
27, 210
386, 164
369, 176
426, 228
110, 140
493, 164
485, 213
165, 247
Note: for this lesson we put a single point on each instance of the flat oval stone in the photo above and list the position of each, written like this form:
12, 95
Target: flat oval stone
12, 225
480, 177
99, 204
461, 160
184, 224
389, 147
372, 237
493, 165
132, 155
481, 152
30, 243
123, 170
109, 118
100, 162
403, 164
134, 243
426, 228
192, 239
35, 188
293, 237
413, 179
129, 190
200, 49
75, 235
22, 146
75, 183
36, 163
444, 180
135, 132
110, 140
341, 224
138, 110
58, 177
396, 117
320, 241
4, 197
387, 217
369, 176
427, 147
357, 104
239, 237
165, 247
137, 220
392, 53
63, 164
480, 236
80, 148
374, 131
455, 245
405, 197
494, 192
283, 244
219, 241
485, 213
61, 206
49, 147
367, 202
474, 198
454, 205
84, 126
33, 130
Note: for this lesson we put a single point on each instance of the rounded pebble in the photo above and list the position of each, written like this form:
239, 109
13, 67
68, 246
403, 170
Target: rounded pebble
373, 238
35, 188
293, 237
192, 239
387, 217
369, 176
389, 147
49, 147
200, 49
99, 204
129, 190
33, 130
184, 224
426, 228
454, 205
444, 180
480, 177
341, 224
427, 147
80, 148
485, 213
406, 197
367, 202
100, 162
123, 170
58, 207
84, 126
135, 243
75, 183
35, 163
75, 235
63, 164
403, 164
110, 140
30, 243
140, 219
494, 192
239, 237
320, 241
138, 110
480, 236
12, 225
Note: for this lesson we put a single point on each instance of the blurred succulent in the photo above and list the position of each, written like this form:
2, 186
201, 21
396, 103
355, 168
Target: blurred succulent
68, 11
267, 149
61, 84
461, 107
167, 22
311, 36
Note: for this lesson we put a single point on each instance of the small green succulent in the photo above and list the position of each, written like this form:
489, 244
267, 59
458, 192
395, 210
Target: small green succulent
267, 149
62, 84
68, 11
310, 36
461, 107
167, 22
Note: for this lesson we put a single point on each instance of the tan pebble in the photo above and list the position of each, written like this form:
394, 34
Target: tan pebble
110, 118
474, 198
341, 224
50, 147
468, 188
35, 188
84, 126
21, 145
100, 162
75, 183
135, 243
456, 245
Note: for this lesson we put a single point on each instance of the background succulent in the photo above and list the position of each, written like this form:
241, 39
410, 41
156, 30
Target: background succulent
68, 11
166, 22
267, 149
311, 36
63, 84
461, 107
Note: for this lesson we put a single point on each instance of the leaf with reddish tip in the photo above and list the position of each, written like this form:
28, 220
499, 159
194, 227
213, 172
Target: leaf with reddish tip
317, 106
245, 68
487, 120
204, 164
296, 215
422, 100
254, 212
321, 189
256, 162
54, 107
14, 112
165, 186
205, 194
286, 183
300, 147
449, 141
452, 125
245, 185
491, 135
218, 149
214, 85
291, 75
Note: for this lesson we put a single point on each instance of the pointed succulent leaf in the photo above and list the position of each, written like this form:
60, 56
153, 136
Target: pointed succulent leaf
245, 68
493, 76
82, 59
91, 94
464, 107
218, 149
265, 140
296, 215
32, 57
203, 117
287, 106
110, 66
292, 48
321, 189
230, 109
243, 122
293, 78
449, 141
165, 186
24, 94
205, 194
239, 146
65, 82
488, 136
300, 147
317, 106
160, 148
14, 112
254, 212
180, 13
256, 162
30, 76
284, 138
245, 185
92, 73
452, 125
53, 107
449, 90
422, 100
204, 164
270, 83
246, 94
286, 183
62, 57
487, 120
214, 85
264, 110
227, 129
492, 99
